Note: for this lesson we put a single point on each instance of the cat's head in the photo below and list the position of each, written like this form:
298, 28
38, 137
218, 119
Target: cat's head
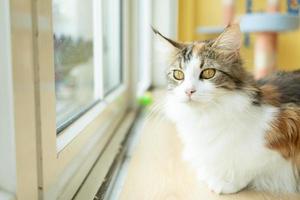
204, 70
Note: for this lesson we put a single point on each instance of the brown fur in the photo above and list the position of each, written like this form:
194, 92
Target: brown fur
284, 136
197, 47
287, 84
270, 95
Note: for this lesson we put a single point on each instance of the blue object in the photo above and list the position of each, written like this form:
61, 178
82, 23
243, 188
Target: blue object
293, 7
268, 22
210, 29
248, 11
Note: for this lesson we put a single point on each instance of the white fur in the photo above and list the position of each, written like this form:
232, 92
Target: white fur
223, 135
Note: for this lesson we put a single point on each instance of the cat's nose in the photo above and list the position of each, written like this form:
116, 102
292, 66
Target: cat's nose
190, 91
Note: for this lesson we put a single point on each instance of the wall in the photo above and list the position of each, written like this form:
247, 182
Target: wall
194, 13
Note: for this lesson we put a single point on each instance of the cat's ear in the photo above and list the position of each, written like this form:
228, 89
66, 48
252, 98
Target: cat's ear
230, 39
167, 46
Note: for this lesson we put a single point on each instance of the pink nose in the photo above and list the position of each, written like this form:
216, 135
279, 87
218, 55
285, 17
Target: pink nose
189, 92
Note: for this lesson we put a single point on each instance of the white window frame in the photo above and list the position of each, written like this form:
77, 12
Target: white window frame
51, 166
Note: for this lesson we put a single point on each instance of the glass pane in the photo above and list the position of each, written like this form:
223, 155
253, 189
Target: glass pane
111, 22
73, 54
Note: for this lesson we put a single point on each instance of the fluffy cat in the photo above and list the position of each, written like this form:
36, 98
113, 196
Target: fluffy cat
237, 132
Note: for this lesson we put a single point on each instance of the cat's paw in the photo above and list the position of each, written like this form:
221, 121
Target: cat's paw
222, 187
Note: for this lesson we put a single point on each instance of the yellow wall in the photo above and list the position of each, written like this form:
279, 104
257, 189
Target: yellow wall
195, 13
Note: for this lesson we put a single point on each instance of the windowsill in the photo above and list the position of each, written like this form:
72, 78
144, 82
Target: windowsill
156, 170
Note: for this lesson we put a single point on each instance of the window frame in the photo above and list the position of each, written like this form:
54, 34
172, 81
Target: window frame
56, 168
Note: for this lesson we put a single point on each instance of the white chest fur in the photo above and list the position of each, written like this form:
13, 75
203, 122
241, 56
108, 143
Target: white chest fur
225, 143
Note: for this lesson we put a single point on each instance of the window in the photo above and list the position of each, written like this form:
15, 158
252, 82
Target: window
111, 22
79, 83
80, 59
73, 58
69, 77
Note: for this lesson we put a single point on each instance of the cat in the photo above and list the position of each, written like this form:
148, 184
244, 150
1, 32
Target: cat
237, 132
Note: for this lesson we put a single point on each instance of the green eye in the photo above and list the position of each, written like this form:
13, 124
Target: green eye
208, 73
178, 74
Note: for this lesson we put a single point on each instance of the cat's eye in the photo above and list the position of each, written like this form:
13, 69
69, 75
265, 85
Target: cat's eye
208, 73
178, 74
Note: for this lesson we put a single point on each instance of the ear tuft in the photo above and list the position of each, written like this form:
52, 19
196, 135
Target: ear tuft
230, 39
167, 40
166, 48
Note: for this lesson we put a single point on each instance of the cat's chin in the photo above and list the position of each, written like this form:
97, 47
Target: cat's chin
185, 100
190, 102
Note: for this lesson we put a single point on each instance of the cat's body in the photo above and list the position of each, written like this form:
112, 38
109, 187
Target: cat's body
236, 132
